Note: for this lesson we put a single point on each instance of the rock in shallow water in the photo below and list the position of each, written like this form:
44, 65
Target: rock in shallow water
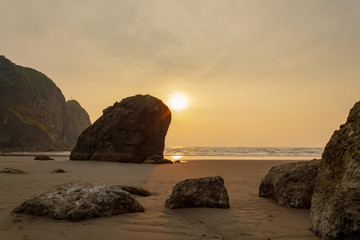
201, 192
78, 201
335, 209
129, 131
291, 184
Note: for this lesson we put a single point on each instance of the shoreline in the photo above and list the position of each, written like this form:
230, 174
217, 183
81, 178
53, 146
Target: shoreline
212, 153
249, 217
176, 157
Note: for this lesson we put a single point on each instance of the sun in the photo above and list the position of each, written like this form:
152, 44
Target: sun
178, 101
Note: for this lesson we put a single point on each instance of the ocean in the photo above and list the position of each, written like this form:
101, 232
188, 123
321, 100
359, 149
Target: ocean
243, 153
219, 153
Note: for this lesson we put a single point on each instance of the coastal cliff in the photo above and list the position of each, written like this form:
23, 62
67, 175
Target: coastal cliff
34, 114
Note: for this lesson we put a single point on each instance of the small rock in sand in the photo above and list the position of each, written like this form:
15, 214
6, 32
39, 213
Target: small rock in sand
43, 157
157, 160
12, 171
164, 161
58, 170
136, 190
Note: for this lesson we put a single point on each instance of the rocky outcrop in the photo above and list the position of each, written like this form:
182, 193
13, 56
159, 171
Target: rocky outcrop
336, 200
291, 184
202, 192
78, 201
129, 131
33, 112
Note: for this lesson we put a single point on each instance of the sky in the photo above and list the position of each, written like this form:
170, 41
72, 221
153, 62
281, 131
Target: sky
270, 73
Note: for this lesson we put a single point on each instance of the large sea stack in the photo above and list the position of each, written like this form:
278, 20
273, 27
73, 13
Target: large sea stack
335, 208
33, 112
130, 131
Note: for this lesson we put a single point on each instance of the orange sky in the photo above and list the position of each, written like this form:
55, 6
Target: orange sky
256, 73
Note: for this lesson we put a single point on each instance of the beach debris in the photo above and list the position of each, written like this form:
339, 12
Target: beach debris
43, 157
129, 131
58, 170
77, 201
135, 190
12, 171
177, 161
201, 192
156, 159
291, 184
335, 204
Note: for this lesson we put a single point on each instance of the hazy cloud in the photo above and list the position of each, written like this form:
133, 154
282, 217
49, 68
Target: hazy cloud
231, 50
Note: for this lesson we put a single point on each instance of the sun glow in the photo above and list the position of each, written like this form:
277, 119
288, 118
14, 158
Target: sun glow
178, 101
177, 157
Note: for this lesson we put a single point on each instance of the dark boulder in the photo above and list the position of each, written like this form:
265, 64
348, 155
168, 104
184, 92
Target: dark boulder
336, 200
129, 131
291, 184
79, 201
202, 192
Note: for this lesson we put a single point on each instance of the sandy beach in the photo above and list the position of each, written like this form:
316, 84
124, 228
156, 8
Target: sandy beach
249, 217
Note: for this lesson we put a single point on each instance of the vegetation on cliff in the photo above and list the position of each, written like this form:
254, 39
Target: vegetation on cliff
33, 112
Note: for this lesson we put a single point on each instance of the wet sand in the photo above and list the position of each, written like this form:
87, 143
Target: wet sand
249, 217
